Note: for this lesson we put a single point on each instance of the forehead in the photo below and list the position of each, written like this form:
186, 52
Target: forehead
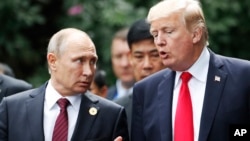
143, 46
171, 21
83, 47
119, 46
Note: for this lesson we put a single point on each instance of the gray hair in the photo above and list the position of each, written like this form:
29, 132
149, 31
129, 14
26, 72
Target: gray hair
59, 40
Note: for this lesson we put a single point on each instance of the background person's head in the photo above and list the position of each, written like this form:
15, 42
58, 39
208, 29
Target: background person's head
6, 69
72, 60
144, 56
119, 57
99, 85
179, 31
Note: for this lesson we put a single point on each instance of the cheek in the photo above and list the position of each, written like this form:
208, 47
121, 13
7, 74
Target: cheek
137, 74
137, 69
157, 65
133, 63
138, 65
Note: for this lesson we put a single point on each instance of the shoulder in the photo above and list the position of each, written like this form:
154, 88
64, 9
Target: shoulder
102, 102
14, 82
23, 95
27, 94
234, 69
231, 64
154, 79
16, 101
124, 100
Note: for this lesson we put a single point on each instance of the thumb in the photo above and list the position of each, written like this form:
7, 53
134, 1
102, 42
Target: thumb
119, 138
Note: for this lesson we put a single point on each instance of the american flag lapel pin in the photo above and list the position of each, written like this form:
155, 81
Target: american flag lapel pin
217, 78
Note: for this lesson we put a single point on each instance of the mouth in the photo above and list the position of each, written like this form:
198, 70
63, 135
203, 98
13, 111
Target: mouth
163, 54
84, 84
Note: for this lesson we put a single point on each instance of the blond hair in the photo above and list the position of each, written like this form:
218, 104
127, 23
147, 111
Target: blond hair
191, 11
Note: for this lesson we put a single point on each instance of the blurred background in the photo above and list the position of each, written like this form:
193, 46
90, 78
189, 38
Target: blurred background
27, 25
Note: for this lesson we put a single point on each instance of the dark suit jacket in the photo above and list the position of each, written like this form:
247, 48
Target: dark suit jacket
126, 102
10, 85
112, 92
22, 118
226, 102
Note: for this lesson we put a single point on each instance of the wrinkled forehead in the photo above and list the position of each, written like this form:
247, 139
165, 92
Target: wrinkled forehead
165, 8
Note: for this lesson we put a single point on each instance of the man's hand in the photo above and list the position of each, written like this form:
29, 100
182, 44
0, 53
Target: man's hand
118, 138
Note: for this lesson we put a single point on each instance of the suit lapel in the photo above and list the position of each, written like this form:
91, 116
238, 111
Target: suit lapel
35, 113
215, 82
2, 90
86, 117
165, 94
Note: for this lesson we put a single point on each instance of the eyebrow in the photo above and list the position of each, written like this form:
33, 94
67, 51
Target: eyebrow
150, 51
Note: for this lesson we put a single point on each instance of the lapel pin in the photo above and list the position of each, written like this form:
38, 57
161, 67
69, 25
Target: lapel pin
217, 78
92, 111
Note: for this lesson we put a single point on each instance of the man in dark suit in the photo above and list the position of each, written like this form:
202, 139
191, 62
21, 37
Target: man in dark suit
6, 69
120, 66
144, 59
99, 85
10, 85
32, 115
219, 88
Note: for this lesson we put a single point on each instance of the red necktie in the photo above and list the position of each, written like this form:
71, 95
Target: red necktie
183, 129
61, 126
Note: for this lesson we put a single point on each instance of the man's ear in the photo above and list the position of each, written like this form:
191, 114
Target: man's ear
104, 91
51, 57
197, 33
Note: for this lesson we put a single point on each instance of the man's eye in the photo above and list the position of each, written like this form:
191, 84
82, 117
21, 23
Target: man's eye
169, 31
118, 56
79, 60
155, 55
138, 56
93, 62
154, 35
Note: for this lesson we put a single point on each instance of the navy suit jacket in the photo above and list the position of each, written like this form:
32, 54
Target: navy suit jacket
10, 85
226, 102
112, 92
126, 102
22, 118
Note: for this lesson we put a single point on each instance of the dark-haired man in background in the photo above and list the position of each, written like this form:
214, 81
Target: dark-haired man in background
144, 59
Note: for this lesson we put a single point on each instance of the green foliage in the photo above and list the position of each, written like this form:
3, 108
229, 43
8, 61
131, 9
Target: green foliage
101, 20
26, 27
228, 27
16, 16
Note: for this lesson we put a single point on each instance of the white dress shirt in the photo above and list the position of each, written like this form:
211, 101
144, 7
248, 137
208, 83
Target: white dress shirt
51, 111
121, 91
197, 85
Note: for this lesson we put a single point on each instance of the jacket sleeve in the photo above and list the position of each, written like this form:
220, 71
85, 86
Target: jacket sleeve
121, 128
3, 121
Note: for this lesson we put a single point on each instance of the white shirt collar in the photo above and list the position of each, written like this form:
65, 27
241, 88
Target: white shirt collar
121, 90
51, 97
201, 65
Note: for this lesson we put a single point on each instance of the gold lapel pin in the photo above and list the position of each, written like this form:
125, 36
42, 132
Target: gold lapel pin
92, 111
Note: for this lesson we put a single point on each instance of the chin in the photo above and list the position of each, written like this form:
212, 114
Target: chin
81, 90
